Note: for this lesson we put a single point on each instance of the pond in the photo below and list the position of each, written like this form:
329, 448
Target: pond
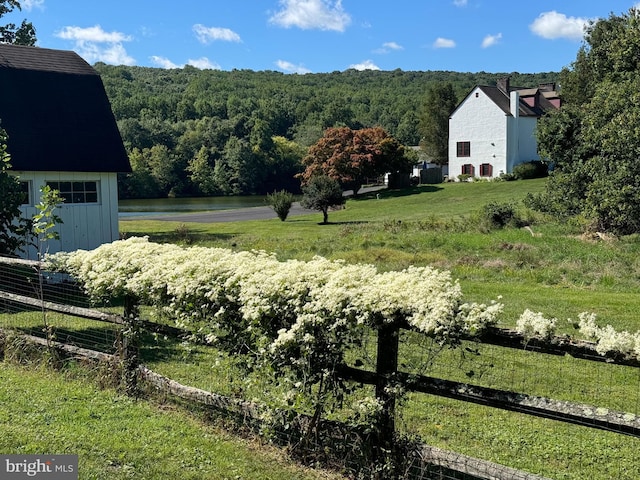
166, 206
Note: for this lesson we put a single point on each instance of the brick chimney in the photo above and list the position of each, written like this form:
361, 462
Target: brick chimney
503, 84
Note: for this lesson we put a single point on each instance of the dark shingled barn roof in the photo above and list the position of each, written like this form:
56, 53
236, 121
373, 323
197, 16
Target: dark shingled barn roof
56, 113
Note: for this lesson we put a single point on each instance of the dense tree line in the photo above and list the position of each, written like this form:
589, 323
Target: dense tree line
215, 132
593, 141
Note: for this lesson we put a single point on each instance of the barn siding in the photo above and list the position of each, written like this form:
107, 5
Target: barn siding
85, 226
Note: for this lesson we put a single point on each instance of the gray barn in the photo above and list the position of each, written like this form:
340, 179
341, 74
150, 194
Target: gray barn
62, 132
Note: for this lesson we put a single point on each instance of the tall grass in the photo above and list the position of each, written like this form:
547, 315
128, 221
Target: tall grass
548, 267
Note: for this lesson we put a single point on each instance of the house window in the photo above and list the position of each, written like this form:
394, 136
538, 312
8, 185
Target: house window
25, 188
467, 169
77, 192
486, 170
463, 149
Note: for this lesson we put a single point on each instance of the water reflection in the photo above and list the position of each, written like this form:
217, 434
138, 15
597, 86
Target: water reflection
167, 206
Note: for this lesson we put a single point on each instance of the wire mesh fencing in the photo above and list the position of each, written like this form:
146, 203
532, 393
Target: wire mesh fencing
53, 307
564, 407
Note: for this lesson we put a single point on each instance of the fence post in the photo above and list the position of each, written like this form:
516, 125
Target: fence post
129, 345
386, 368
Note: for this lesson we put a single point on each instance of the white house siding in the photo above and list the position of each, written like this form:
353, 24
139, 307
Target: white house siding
527, 144
481, 122
85, 225
522, 144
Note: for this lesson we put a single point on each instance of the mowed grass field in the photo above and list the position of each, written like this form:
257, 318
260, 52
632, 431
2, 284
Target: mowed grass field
115, 437
549, 266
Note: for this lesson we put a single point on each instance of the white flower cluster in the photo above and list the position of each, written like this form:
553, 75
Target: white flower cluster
531, 324
607, 339
279, 301
368, 407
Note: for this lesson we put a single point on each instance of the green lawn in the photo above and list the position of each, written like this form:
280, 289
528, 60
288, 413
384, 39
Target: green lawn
550, 267
115, 437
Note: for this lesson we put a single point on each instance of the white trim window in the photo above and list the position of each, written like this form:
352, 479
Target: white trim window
75, 192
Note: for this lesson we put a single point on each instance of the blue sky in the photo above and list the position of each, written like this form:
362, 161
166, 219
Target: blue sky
317, 36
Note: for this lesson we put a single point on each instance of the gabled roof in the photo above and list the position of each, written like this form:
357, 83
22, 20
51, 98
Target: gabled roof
56, 113
502, 100
497, 95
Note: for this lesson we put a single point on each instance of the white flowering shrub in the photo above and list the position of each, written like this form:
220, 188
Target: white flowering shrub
199, 283
532, 324
607, 339
297, 317
367, 409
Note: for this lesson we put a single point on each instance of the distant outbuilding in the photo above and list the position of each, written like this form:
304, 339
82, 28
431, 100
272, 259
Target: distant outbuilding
62, 132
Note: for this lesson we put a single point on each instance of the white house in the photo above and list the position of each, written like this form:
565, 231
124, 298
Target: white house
61, 132
493, 128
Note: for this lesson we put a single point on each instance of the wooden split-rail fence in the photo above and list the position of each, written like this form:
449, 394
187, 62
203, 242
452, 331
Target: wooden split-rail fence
385, 375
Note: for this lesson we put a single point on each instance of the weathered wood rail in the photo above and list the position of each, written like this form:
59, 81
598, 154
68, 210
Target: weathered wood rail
564, 411
387, 370
386, 375
424, 454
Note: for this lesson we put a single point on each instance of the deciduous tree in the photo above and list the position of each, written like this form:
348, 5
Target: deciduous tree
25, 34
353, 156
594, 141
320, 193
440, 101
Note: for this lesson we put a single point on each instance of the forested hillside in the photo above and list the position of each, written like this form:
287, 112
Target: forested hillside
211, 132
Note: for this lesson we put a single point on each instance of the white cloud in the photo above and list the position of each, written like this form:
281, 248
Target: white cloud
366, 65
387, 47
209, 34
163, 62
460, 3
444, 43
96, 45
312, 14
92, 34
203, 63
491, 40
114, 54
392, 46
553, 25
29, 5
291, 68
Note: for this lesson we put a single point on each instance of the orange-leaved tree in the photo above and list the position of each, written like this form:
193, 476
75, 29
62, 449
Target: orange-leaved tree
353, 156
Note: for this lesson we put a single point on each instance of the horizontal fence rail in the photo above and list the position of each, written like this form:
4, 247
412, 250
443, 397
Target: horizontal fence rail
569, 412
20, 295
424, 454
79, 312
558, 345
